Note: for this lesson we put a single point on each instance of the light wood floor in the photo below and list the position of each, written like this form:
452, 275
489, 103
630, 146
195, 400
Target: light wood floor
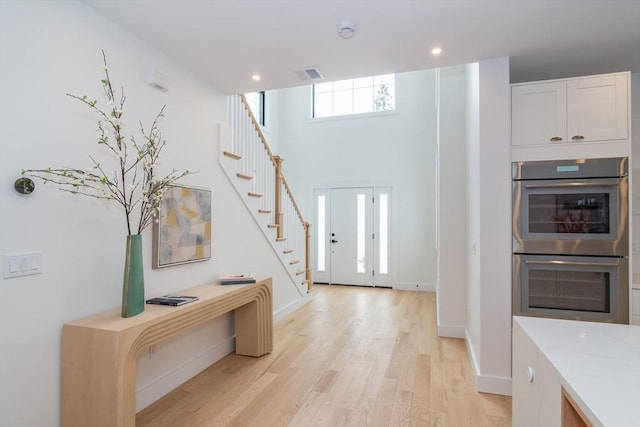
351, 357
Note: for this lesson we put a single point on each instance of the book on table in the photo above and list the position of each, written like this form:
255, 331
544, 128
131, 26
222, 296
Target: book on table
237, 279
173, 300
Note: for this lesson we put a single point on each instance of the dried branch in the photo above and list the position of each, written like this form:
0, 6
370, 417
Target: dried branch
133, 184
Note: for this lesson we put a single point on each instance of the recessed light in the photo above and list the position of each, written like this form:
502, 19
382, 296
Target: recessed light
436, 51
256, 77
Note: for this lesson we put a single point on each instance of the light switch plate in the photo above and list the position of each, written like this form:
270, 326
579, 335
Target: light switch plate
22, 264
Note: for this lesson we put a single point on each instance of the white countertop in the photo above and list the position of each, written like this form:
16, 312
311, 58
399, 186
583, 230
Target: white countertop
599, 365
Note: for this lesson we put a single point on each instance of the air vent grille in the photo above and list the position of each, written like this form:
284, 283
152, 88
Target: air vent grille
310, 74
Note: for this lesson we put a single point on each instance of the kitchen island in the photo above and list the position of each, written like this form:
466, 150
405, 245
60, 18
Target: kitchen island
597, 365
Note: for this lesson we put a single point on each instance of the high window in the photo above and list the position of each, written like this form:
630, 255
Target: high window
256, 103
355, 96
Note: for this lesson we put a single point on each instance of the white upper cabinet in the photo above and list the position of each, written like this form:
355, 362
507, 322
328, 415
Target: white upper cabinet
582, 109
597, 108
539, 113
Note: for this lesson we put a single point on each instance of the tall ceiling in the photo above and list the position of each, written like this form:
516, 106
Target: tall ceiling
227, 41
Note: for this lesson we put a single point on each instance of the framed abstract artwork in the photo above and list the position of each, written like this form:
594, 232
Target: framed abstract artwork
182, 233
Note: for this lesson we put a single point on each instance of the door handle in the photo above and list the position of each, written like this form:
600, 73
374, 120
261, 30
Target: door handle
612, 182
573, 263
334, 241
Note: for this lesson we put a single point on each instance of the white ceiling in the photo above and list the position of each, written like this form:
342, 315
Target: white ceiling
226, 41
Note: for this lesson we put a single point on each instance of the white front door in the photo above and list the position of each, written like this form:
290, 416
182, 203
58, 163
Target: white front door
352, 236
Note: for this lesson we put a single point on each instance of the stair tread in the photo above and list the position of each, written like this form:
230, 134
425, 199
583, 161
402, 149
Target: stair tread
264, 182
232, 155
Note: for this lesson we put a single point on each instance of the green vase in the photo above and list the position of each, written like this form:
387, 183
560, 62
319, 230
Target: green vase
133, 282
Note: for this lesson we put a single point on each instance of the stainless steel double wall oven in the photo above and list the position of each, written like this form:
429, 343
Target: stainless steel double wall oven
571, 239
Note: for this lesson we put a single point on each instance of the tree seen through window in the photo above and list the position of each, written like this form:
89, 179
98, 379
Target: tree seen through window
355, 96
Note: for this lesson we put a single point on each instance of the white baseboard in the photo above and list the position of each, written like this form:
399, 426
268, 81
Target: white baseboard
407, 286
153, 391
283, 312
451, 331
487, 383
494, 385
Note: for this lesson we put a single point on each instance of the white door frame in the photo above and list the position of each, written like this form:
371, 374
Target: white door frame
321, 259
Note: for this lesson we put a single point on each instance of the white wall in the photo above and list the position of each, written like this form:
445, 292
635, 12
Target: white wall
395, 149
46, 50
452, 205
635, 159
472, 110
489, 217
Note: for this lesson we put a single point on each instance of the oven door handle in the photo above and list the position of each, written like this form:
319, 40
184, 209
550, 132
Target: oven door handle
574, 263
607, 183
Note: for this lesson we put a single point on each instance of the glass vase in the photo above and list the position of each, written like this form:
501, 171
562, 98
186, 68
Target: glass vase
133, 282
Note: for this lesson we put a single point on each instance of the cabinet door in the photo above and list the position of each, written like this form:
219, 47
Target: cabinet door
539, 113
598, 108
635, 306
535, 385
549, 411
525, 402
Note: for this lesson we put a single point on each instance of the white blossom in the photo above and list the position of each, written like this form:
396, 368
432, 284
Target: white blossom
133, 184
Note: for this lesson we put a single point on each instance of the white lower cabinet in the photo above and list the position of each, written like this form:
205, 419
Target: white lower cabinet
536, 393
582, 374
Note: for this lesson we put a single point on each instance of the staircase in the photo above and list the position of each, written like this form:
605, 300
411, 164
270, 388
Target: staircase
257, 176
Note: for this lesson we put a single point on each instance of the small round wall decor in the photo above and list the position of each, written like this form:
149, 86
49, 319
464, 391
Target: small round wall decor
24, 185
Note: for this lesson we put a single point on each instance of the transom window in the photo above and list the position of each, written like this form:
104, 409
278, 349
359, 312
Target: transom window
355, 96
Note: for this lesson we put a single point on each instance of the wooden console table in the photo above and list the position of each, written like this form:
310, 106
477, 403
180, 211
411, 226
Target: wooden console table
99, 353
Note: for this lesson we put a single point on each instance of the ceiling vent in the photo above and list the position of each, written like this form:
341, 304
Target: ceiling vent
310, 74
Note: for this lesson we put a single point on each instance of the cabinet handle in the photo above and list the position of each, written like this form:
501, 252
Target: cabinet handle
576, 137
530, 374
555, 138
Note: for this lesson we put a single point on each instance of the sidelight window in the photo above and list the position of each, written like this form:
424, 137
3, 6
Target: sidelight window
383, 233
361, 244
321, 232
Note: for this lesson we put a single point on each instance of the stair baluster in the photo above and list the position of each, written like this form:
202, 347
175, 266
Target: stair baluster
257, 165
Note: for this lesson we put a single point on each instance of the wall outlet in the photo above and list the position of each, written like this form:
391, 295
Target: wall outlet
153, 351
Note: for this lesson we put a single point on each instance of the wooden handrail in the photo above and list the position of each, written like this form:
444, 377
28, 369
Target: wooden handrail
256, 126
293, 201
276, 160
281, 182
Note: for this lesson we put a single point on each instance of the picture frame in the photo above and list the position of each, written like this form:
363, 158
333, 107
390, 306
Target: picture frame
182, 231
